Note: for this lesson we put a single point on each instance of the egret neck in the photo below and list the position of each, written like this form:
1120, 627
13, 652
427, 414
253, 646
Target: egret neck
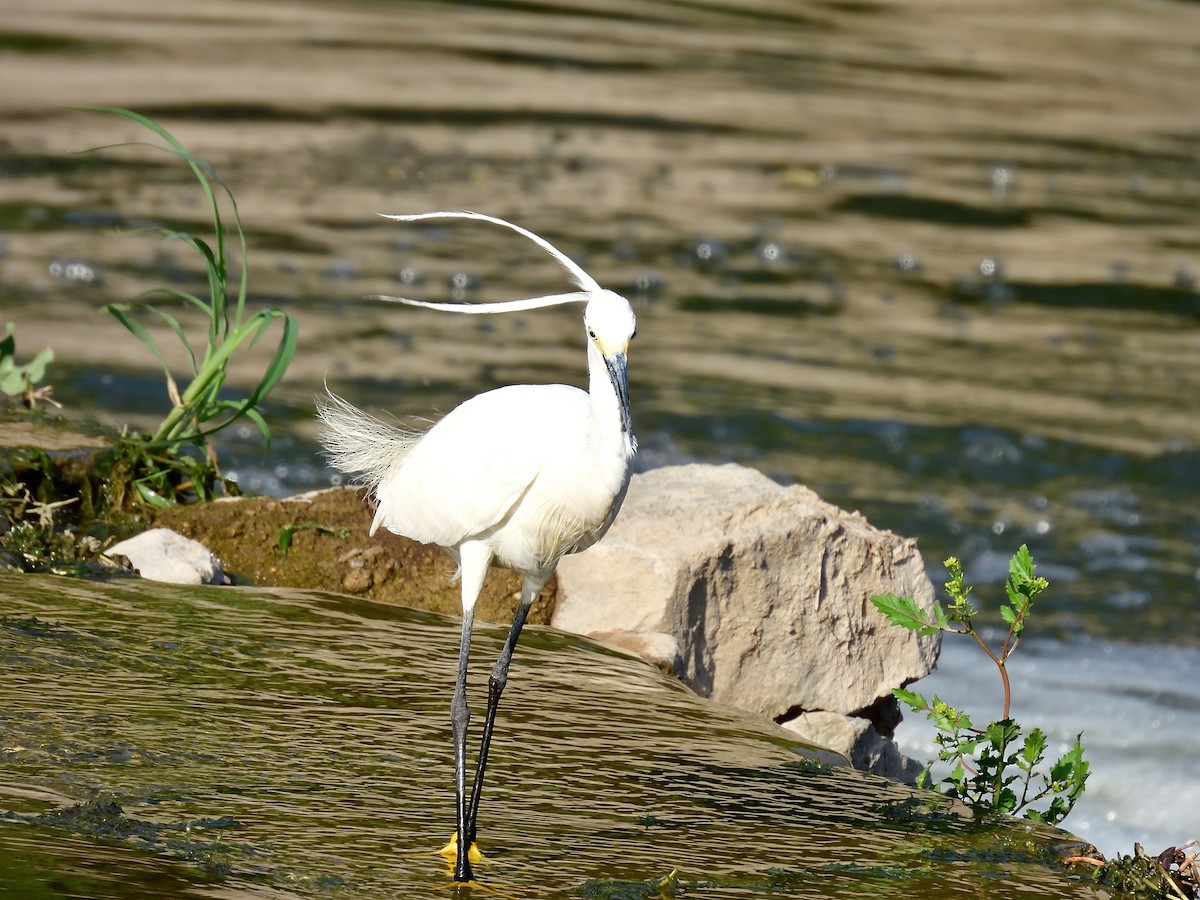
609, 390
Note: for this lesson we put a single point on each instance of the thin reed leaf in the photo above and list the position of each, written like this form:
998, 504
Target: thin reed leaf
120, 311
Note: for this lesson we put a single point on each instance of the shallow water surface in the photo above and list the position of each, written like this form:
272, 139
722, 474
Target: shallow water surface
273, 743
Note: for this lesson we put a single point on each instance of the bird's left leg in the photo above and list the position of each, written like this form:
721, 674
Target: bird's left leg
474, 559
496, 683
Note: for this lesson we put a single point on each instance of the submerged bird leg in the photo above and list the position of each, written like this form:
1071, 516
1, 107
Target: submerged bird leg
474, 560
496, 683
460, 716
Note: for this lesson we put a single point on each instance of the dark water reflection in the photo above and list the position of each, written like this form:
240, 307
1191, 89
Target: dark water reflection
233, 743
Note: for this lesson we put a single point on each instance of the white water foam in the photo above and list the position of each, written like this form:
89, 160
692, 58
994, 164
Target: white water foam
1138, 708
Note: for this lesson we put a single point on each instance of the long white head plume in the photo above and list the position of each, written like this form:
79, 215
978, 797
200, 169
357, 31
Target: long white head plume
488, 308
587, 284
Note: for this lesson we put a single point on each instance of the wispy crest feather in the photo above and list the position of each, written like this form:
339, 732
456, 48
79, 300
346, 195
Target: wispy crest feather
586, 283
360, 443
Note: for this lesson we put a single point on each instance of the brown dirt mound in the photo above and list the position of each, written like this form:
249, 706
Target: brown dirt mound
245, 535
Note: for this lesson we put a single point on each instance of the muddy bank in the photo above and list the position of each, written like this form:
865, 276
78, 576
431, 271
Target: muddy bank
317, 540
245, 535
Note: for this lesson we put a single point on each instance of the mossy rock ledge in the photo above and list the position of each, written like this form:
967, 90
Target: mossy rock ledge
245, 534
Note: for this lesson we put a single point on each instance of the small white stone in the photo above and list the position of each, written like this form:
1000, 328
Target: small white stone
161, 554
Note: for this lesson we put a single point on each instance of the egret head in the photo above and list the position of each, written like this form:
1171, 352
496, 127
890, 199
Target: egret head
610, 323
608, 318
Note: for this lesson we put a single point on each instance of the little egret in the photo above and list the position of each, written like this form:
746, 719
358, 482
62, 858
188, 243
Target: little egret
517, 477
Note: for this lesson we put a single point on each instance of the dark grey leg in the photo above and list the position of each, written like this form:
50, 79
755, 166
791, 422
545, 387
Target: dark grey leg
460, 716
496, 683
473, 559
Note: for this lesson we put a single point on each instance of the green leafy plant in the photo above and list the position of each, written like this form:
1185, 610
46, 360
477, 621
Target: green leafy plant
199, 410
19, 381
994, 768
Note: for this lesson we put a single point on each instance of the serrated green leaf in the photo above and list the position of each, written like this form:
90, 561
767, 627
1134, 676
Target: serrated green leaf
1015, 597
1071, 766
1058, 811
914, 700
1021, 567
1006, 801
1034, 747
1002, 732
904, 612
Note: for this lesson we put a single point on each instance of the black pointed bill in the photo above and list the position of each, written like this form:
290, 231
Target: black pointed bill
618, 374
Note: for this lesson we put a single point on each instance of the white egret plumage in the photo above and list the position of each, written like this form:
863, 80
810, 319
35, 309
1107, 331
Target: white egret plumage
518, 477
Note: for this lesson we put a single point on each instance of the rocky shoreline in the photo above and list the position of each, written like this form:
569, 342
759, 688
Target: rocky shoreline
753, 594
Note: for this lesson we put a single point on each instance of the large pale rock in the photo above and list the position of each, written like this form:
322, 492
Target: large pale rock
755, 594
161, 554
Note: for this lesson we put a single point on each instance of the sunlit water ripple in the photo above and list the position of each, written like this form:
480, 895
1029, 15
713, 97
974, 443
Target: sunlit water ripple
295, 742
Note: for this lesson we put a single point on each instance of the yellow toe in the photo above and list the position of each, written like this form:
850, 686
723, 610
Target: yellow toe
450, 851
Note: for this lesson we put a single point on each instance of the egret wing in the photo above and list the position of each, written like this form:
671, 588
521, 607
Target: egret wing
472, 469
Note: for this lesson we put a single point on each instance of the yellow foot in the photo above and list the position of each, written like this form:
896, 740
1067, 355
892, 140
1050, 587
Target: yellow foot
450, 851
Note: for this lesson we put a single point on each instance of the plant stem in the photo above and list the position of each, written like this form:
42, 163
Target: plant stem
999, 665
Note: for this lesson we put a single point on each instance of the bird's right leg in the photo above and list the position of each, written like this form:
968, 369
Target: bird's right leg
496, 684
474, 560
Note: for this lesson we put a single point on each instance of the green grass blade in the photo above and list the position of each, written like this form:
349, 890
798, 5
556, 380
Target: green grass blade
283, 352
174, 325
202, 170
243, 280
121, 312
199, 410
215, 308
256, 417
179, 294
206, 176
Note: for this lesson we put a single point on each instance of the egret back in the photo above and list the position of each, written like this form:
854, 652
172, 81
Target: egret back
514, 467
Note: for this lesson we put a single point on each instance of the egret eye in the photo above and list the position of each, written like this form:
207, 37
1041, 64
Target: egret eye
591, 334
632, 336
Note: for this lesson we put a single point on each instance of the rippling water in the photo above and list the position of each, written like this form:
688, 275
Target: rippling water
286, 743
938, 261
